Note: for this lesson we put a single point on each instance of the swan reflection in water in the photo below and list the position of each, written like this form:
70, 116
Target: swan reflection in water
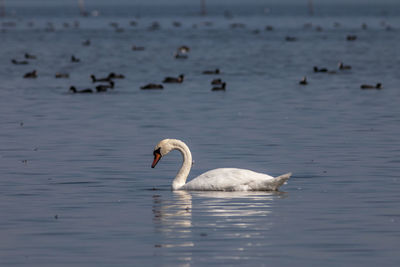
236, 216
173, 218
175, 212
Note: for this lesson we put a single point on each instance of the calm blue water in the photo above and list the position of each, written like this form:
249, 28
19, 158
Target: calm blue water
76, 187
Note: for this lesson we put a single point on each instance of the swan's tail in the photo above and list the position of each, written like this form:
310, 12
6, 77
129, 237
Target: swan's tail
280, 180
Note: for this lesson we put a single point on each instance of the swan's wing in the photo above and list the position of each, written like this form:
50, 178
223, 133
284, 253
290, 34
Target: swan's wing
231, 179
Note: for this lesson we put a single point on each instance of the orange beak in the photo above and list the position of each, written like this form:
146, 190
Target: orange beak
157, 157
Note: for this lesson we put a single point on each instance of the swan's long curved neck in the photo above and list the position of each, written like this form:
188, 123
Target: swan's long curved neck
183, 173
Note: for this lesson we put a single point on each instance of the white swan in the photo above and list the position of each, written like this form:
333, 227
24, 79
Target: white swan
224, 179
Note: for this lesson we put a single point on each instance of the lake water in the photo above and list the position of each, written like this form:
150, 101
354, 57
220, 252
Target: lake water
76, 187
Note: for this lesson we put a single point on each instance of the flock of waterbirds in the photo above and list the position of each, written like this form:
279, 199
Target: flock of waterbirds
109, 81
182, 52
341, 67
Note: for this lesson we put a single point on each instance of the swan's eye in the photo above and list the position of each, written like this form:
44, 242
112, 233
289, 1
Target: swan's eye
157, 151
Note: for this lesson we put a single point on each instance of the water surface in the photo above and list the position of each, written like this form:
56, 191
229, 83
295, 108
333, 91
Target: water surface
76, 187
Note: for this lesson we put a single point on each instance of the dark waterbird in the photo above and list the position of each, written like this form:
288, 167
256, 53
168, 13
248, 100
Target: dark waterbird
336, 24
290, 39
319, 28
114, 24
221, 88
364, 26
32, 74
83, 91
19, 62
176, 24
86, 43
96, 80
112, 75
216, 71
29, 56
152, 86
269, 28
344, 67
303, 81
216, 82
316, 69
105, 87
351, 37
236, 25
137, 48
324, 70
75, 59
109, 78
155, 25
378, 86
179, 79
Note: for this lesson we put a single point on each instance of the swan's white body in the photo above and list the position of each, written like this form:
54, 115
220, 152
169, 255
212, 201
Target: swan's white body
223, 179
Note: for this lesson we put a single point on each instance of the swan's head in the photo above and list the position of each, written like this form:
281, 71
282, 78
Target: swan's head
161, 149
